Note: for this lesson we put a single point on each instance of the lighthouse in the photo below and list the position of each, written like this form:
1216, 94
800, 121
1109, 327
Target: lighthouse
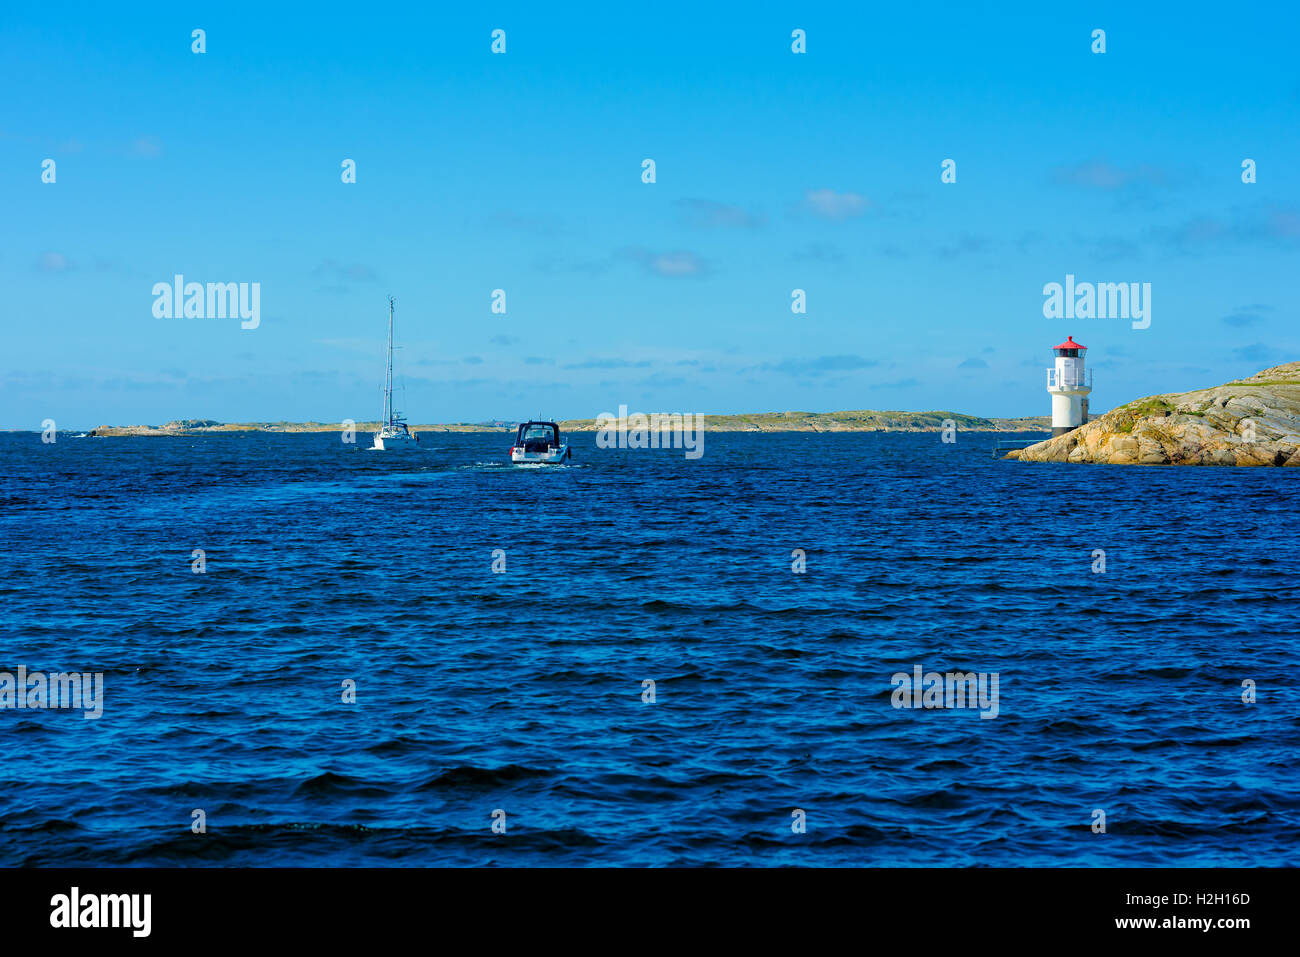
1069, 386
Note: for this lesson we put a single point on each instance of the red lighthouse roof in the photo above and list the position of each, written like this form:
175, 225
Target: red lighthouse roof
1069, 343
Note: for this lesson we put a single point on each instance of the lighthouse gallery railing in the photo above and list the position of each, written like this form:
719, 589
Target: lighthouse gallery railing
1076, 381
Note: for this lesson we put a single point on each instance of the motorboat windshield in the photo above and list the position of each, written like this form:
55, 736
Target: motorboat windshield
538, 436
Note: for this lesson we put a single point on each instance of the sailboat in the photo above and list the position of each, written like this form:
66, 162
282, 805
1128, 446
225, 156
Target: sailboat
394, 435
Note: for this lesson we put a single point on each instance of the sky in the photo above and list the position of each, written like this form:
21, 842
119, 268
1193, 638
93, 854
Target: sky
523, 171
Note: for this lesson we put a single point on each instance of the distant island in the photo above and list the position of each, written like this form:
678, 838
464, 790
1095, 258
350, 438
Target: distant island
850, 421
1253, 421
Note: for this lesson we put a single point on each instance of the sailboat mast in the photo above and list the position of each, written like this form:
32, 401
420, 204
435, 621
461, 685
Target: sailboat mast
388, 381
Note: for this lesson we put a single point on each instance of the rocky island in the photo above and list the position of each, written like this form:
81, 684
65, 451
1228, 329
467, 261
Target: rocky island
851, 421
1254, 421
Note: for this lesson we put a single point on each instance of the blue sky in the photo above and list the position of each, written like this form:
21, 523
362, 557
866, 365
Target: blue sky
522, 171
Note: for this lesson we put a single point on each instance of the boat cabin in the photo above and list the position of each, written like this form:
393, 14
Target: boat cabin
537, 436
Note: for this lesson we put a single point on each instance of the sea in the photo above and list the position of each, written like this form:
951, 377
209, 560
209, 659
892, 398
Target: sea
314, 654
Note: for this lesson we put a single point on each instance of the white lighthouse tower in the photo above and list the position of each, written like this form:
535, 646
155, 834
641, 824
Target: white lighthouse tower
1069, 386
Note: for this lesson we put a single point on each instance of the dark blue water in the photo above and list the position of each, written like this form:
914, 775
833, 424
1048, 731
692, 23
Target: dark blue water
522, 691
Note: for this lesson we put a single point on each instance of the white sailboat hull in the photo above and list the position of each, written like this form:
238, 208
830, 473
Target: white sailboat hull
395, 443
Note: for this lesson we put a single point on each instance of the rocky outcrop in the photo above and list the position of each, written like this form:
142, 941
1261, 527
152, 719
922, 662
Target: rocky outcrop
861, 420
175, 427
1253, 421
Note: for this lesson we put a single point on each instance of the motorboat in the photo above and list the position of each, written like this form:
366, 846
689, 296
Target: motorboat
539, 443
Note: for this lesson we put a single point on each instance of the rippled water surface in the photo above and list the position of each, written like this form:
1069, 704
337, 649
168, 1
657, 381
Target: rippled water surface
522, 691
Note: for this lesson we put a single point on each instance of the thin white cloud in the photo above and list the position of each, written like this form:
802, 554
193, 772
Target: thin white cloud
53, 262
828, 204
671, 265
